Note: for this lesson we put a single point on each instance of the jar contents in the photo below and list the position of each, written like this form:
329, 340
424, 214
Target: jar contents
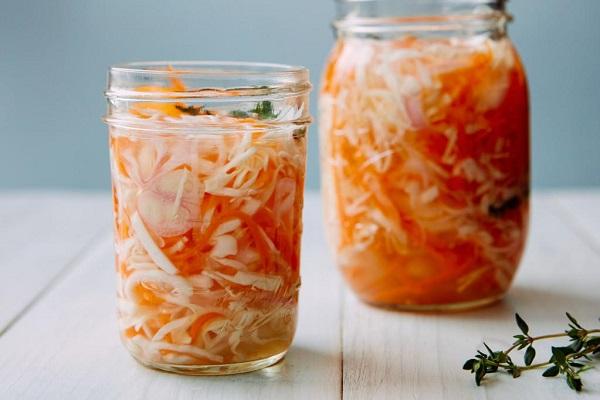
425, 156
208, 230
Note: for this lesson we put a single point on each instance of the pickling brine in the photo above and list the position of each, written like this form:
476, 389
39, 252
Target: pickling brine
207, 194
424, 128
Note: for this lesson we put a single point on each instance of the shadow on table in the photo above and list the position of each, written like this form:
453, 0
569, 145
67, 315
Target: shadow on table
539, 303
296, 362
287, 370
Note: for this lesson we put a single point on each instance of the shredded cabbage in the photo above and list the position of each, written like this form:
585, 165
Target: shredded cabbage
207, 237
425, 166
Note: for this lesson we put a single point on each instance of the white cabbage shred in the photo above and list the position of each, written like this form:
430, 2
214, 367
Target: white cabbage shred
235, 306
379, 92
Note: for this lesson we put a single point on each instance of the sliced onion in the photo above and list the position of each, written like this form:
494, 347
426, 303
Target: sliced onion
179, 323
170, 204
171, 287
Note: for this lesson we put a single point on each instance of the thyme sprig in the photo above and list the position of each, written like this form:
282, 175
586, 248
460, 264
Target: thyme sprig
583, 344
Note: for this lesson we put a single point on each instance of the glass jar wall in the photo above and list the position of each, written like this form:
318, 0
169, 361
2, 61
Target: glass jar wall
424, 127
208, 165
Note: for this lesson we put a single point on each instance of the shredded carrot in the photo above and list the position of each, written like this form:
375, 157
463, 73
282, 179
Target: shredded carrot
130, 332
426, 167
208, 232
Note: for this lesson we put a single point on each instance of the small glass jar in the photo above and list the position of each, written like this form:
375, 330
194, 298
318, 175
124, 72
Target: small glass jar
424, 127
208, 166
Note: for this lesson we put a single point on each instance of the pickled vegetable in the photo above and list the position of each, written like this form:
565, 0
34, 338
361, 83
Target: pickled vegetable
208, 232
425, 147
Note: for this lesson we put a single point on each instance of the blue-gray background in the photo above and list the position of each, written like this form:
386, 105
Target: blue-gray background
54, 55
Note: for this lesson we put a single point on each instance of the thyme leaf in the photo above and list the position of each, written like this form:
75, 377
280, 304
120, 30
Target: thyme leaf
583, 345
264, 110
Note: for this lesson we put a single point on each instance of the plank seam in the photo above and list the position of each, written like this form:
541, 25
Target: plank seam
55, 280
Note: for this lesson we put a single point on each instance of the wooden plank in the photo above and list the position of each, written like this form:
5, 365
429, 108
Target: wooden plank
582, 209
393, 355
41, 233
67, 345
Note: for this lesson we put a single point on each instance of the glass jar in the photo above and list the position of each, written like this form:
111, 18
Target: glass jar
208, 166
424, 127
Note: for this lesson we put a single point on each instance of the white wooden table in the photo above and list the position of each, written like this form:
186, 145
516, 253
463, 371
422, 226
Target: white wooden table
58, 336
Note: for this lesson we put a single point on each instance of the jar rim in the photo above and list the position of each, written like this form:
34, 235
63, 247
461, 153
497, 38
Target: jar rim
396, 16
431, 23
498, 3
206, 79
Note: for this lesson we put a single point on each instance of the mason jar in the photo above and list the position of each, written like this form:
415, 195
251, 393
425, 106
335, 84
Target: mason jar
208, 166
424, 128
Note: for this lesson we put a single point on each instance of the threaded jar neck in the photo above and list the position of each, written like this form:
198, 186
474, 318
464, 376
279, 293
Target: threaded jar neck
428, 17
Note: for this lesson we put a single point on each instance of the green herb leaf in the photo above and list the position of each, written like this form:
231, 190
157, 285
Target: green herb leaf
264, 110
573, 320
552, 371
566, 350
479, 374
468, 365
576, 346
488, 349
573, 333
522, 324
574, 383
558, 355
529, 355
593, 341
564, 359
523, 345
585, 368
515, 372
501, 357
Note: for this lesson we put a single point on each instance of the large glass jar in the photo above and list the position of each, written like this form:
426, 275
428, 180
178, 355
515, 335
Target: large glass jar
208, 166
424, 126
